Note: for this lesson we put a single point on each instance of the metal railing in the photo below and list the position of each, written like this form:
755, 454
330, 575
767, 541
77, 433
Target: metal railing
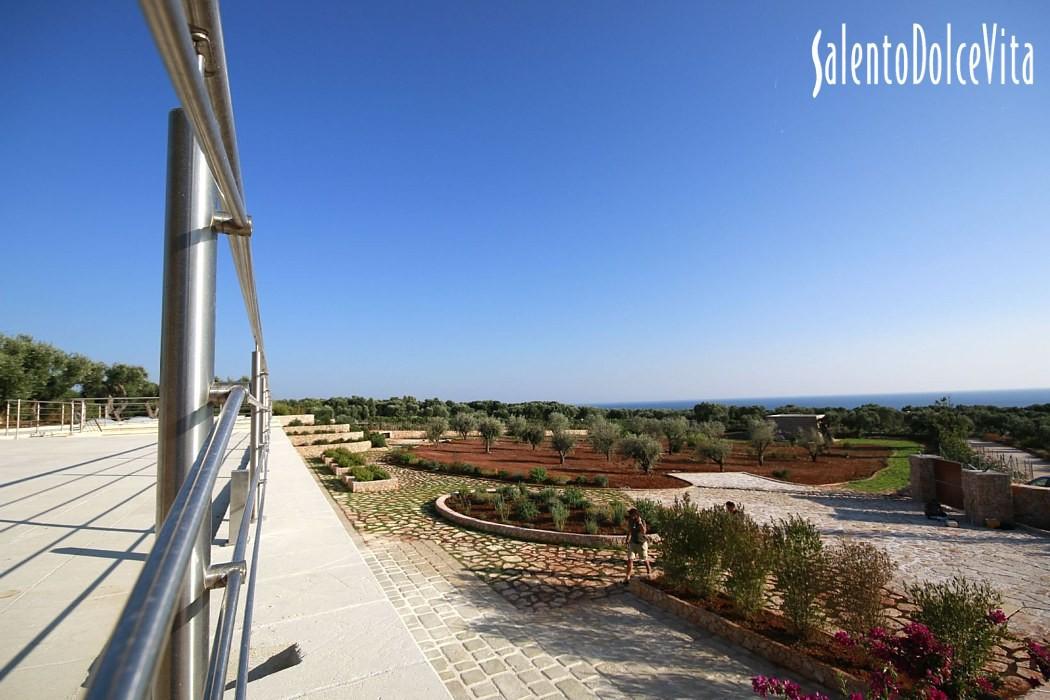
31, 417
162, 644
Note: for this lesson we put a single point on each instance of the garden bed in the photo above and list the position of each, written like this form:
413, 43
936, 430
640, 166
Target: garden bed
533, 533
765, 636
518, 459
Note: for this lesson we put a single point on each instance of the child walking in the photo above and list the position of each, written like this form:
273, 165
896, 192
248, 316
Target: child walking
637, 542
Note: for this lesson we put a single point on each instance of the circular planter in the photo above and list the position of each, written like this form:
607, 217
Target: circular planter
527, 533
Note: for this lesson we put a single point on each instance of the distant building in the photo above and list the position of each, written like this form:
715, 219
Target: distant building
791, 424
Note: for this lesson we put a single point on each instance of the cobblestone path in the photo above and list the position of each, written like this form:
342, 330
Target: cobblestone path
501, 618
1015, 562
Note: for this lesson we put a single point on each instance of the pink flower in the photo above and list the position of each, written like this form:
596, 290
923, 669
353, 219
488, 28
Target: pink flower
985, 685
935, 694
843, 638
997, 616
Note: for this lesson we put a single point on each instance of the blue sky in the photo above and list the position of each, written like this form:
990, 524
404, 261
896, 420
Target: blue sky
583, 201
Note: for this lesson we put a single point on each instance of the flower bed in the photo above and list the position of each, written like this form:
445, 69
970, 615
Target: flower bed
781, 583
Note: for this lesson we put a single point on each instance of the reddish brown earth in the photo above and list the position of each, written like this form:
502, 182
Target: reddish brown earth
835, 466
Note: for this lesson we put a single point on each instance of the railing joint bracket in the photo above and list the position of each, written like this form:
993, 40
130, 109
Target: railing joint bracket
222, 222
217, 574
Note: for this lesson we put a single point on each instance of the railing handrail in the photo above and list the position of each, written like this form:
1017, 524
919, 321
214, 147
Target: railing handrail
128, 664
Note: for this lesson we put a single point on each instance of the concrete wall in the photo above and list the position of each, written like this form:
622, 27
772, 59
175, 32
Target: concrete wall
922, 486
299, 440
308, 451
308, 429
1032, 505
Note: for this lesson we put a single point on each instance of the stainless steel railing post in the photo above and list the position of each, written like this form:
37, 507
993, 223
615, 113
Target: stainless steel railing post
257, 416
187, 369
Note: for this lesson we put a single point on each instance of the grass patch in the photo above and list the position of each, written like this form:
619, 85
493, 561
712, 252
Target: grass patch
897, 472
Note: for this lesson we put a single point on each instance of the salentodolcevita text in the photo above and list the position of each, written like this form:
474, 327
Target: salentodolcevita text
990, 58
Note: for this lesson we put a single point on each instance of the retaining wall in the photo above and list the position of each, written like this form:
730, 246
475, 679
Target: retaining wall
526, 533
305, 418
298, 440
310, 451
317, 428
1032, 505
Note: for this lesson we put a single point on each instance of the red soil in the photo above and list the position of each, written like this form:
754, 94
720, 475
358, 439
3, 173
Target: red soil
836, 465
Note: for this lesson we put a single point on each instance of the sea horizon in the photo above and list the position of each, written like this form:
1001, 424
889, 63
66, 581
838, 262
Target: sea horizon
1003, 398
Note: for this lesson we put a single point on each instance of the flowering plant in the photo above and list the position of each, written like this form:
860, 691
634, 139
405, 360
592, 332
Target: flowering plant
1040, 656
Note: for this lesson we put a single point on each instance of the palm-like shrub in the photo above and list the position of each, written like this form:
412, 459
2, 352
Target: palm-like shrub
490, 429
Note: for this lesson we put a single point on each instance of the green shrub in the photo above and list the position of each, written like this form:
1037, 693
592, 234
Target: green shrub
857, 572
959, 613
590, 525
294, 423
781, 474
618, 513
377, 439
523, 490
509, 493
580, 479
798, 571
601, 480
547, 496
461, 502
692, 543
368, 473
748, 559
574, 498
525, 509
601, 513
345, 458
501, 506
538, 475
464, 468
651, 513
559, 514
559, 480
502, 474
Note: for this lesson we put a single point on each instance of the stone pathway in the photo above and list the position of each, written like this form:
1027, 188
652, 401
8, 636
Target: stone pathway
484, 647
553, 622
1013, 561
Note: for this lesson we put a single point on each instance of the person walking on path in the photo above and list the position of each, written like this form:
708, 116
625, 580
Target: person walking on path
637, 542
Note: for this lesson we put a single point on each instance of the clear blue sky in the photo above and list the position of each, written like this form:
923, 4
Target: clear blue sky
584, 201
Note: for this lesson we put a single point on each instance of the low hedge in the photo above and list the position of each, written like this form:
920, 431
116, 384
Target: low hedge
405, 458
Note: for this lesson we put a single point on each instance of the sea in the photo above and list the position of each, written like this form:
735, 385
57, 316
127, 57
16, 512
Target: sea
993, 397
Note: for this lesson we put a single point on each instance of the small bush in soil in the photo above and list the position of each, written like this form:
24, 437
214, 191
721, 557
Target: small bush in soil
574, 498
601, 513
965, 615
526, 510
502, 474
748, 560
509, 493
618, 513
601, 480
590, 525
523, 490
857, 572
461, 502
651, 513
502, 507
798, 571
559, 514
781, 474
547, 496
377, 439
294, 423
538, 475
369, 473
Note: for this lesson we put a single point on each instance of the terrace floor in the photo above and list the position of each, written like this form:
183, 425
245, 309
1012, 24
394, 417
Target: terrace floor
76, 517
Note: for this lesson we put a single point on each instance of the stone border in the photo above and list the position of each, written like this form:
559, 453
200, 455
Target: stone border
527, 533
390, 484
780, 654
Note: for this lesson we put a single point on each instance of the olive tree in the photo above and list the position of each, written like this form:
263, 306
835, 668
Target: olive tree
534, 435
564, 443
557, 422
812, 441
676, 430
715, 449
490, 429
761, 433
435, 428
516, 426
603, 434
645, 450
463, 423
712, 428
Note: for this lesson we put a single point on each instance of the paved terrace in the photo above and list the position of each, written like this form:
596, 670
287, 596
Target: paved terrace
76, 518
